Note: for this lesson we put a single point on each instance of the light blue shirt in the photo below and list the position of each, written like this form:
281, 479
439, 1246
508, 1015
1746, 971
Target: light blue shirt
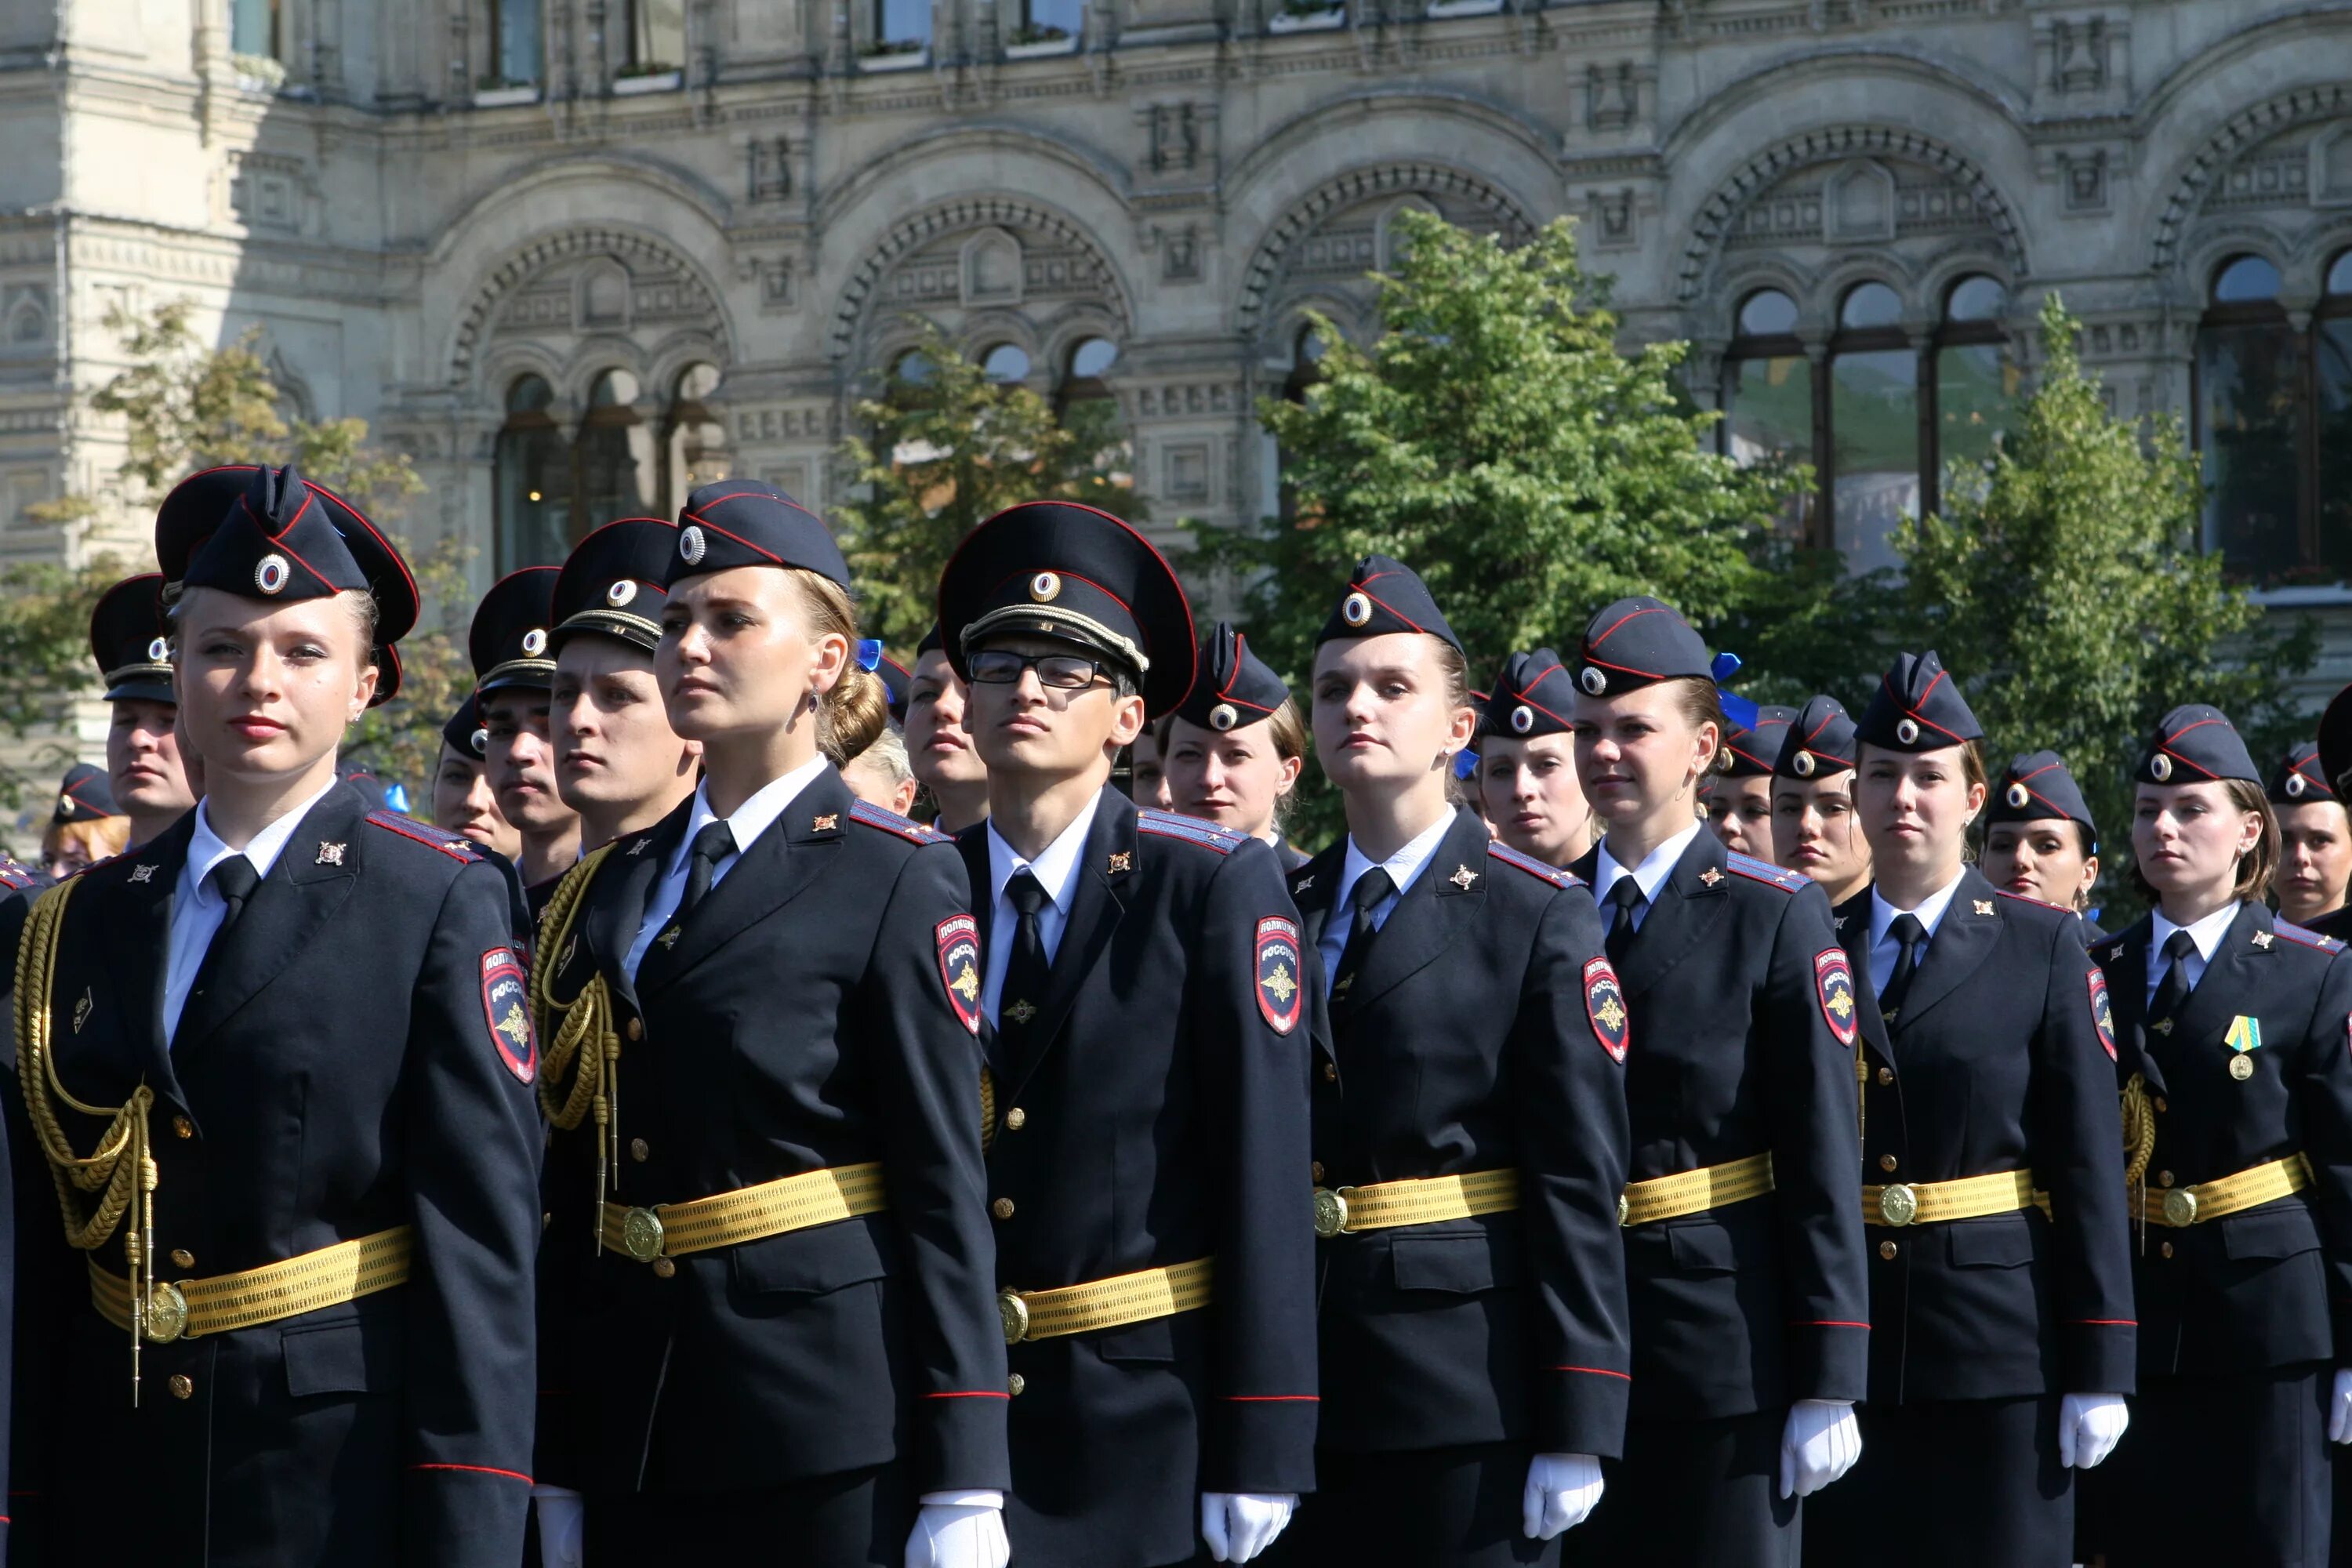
1405, 867
1649, 876
1884, 951
1057, 870
752, 818
2206, 933
197, 909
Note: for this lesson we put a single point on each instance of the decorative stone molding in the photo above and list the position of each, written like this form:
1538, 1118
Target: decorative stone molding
696, 301
1010, 213
2241, 133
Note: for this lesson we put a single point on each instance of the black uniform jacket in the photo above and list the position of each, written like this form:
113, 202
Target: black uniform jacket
1479, 1037
2270, 1285
357, 1062
1158, 1117
1996, 1062
1743, 1046
798, 1019
15, 880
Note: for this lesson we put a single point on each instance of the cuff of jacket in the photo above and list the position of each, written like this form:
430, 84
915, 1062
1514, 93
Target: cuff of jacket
1827, 1361
1581, 1410
964, 1445
2101, 1358
463, 1516
1260, 1444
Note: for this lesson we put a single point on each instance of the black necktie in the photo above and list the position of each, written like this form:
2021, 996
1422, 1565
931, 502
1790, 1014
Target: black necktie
2171, 990
1911, 936
233, 881
1024, 972
713, 845
1627, 897
1370, 889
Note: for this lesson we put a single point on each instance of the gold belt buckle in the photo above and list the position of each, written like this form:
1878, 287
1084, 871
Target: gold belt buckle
2181, 1208
1624, 1211
1898, 1205
1331, 1211
166, 1317
641, 1234
1014, 1313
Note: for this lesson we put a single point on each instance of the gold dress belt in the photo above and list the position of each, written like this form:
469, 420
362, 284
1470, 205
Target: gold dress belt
1970, 1197
1696, 1191
1426, 1201
1105, 1303
746, 1214
326, 1277
2184, 1207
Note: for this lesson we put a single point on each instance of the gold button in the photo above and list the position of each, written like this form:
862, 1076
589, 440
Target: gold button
1886, 1162
1014, 1384
1316, 1170
664, 1268
636, 1029
2161, 1105
1885, 1250
1015, 1119
183, 1127
2168, 1249
546, 1219
1885, 1074
1001, 1208
182, 1259
2163, 1178
183, 1386
1331, 1072
638, 1150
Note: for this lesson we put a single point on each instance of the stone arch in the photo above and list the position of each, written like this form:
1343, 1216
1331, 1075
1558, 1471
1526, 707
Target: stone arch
1069, 261
664, 279
2242, 134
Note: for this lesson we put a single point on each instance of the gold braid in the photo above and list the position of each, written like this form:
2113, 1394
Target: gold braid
581, 1040
2140, 1146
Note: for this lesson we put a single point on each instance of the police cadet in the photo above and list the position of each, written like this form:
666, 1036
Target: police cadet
513, 672
1469, 1133
2040, 840
1740, 808
938, 748
2314, 845
1814, 829
761, 1014
278, 1063
132, 644
2000, 1342
1234, 748
462, 802
1743, 1239
1526, 762
84, 825
1149, 1069
2238, 1126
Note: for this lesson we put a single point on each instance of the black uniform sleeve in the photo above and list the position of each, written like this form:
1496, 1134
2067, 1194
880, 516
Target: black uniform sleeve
927, 1067
1574, 1141
1816, 1157
1262, 1381
473, 1164
2078, 1159
2324, 1100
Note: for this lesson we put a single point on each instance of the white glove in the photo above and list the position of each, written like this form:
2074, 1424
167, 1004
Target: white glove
1819, 1443
959, 1529
2340, 1407
1239, 1525
562, 1519
2089, 1426
1560, 1491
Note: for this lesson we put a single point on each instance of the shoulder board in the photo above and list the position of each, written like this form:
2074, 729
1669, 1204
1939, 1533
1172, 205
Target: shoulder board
2030, 899
1530, 864
1764, 871
891, 822
1191, 830
455, 845
2296, 934
16, 877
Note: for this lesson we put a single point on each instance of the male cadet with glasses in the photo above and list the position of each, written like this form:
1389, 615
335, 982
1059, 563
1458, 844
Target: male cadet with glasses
131, 642
513, 672
1147, 1106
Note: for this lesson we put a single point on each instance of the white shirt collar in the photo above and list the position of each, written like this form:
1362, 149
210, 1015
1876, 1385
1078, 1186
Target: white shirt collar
754, 816
207, 848
1054, 869
1655, 866
1930, 912
1404, 866
2206, 933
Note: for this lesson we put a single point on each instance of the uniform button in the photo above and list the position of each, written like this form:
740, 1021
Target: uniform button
1315, 1171
1001, 1208
184, 1128
183, 1386
546, 1219
636, 1029
640, 1151
2161, 1106
1331, 1072
1885, 1074
1014, 1384
2163, 1178
1015, 1119
1886, 1162
1885, 1250
664, 1268
182, 1259
2168, 1249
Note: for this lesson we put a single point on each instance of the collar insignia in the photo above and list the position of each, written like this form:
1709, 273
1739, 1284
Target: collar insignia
825, 824
669, 938
2162, 1025
1302, 884
2262, 939
142, 873
330, 854
1984, 906
1463, 877
1711, 875
1122, 860
639, 847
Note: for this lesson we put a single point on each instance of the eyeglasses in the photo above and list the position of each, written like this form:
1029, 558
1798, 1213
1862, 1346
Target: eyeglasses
1062, 671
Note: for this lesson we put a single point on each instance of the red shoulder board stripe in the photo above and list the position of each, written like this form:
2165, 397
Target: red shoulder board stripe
1530, 864
1208, 835
2030, 899
1763, 871
454, 844
891, 822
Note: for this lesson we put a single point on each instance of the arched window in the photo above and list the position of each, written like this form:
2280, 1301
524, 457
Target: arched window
1875, 466
1006, 363
1768, 391
2251, 413
616, 453
1976, 380
653, 36
1306, 351
913, 368
694, 437
1089, 363
2331, 364
534, 480
1048, 21
514, 44
256, 27
900, 27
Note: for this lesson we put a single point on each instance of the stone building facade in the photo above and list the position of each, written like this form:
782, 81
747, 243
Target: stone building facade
575, 256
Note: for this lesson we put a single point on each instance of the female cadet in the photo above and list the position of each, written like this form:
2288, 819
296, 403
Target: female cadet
463, 801
2238, 1102
1739, 806
1234, 747
84, 826
1527, 763
2000, 1341
1814, 830
278, 1062
2314, 845
1469, 1126
507, 642
786, 1334
130, 640
938, 748
1743, 1246
2040, 840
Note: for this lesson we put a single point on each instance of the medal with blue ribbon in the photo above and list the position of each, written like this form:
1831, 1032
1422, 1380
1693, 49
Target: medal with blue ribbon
2245, 1037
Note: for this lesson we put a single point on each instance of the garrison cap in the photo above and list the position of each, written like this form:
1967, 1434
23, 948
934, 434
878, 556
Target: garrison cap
1385, 597
2035, 786
1532, 696
85, 796
744, 522
2299, 779
1638, 642
462, 732
614, 582
129, 638
1818, 743
508, 638
1750, 751
1233, 689
2192, 744
283, 539
1061, 570
1918, 707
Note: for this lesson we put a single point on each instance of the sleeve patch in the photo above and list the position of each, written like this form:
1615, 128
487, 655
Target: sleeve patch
2103, 1015
1281, 993
505, 1004
1604, 1004
1834, 981
958, 939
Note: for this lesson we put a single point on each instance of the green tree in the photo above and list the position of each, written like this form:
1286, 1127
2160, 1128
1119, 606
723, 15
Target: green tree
2065, 587
947, 449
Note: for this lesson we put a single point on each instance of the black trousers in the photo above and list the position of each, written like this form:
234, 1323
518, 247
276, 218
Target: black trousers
1961, 1483
1424, 1508
1693, 1492
2232, 1469
856, 1518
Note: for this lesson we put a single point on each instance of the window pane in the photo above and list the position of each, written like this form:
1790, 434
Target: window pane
1875, 415
528, 394
252, 27
2339, 275
1006, 363
1974, 387
2246, 280
1976, 299
518, 54
2247, 378
534, 499
2333, 342
913, 368
1050, 19
903, 21
1768, 414
1767, 314
1095, 355
1871, 305
658, 33
609, 475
